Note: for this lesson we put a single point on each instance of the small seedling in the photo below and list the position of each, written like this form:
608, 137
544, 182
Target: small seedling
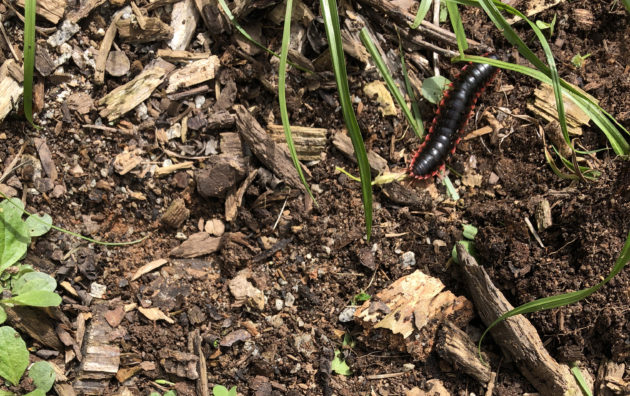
339, 365
542, 25
220, 390
469, 234
168, 393
360, 297
578, 60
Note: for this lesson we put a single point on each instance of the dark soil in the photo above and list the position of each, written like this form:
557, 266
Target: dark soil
316, 268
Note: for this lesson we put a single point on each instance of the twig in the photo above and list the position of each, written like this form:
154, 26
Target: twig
385, 376
533, 231
6, 39
436, 21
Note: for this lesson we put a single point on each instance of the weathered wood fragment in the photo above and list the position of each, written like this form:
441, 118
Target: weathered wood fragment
196, 245
176, 214
301, 12
220, 174
52, 10
181, 56
126, 97
610, 380
235, 197
184, 20
455, 346
101, 58
155, 30
343, 143
309, 142
102, 356
413, 305
275, 157
10, 88
545, 106
516, 336
194, 73
84, 10
34, 322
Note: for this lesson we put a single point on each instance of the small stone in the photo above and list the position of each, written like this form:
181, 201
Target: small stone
77, 171
493, 179
219, 177
215, 227
58, 191
408, 259
275, 321
117, 64
279, 304
347, 314
289, 300
44, 184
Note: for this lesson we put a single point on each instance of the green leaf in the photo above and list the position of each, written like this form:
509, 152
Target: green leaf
468, 245
3, 314
164, 382
14, 237
458, 27
333, 33
13, 355
348, 341
154, 394
450, 188
6, 393
626, 4
43, 375
423, 8
470, 231
29, 58
578, 60
171, 393
433, 88
575, 370
339, 365
32, 281
220, 390
35, 298
360, 297
38, 225
36, 392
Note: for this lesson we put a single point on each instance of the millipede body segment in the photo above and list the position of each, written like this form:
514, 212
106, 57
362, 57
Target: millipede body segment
450, 119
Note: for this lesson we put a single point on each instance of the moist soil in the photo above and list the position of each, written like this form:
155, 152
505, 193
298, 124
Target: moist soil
306, 258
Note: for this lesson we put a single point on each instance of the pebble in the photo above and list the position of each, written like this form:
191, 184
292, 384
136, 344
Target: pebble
279, 304
275, 321
347, 314
289, 300
408, 259
199, 101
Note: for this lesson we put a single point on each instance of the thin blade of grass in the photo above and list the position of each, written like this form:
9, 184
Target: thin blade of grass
563, 299
409, 88
458, 26
450, 188
284, 115
600, 117
242, 31
423, 8
333, 33
29, 58
626, 4
391, 85
577, 373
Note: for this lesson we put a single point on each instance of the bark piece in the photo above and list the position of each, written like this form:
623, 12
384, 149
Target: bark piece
84, 10
155, 314
181, 364
81, 102
197, 346
11, 92
184, 20
45, 157
194, 73
220, 175
309, 142
545, 106
102, 358
543, 215
455, 346
32, 321
343, 143
145, 269
235, 197
126, 97
413, 305
154, 30
101, 58
196, 245
52, 10
274, 156
176, 214
181, 56
610, 379
244, 292
516, 336
300, 12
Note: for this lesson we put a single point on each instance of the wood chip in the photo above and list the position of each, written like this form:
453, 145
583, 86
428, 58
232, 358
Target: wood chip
176, 214
378, 91
148, 267
102, 357
343, 143
184, 20
117, 64
52, 10
167, 170
194, 73
309, 142
126, 97
85, 8
455, 346
414, 304
235, 198
45, 157
181, 56
155, 314
545, 106
154, 30
196, 245
101, 58
11, 91
244, 292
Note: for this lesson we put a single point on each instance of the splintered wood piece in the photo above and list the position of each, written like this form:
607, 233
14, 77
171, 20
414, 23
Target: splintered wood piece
516, 336
11, 93
101, 58
532, 7
84, 10
343, 143
34, 322
155, 314
45, 157
610, 379
145, 269
545, 106
196, 345
154, 30
181, 56
455, 346
102, 358
126, 97
309, 142
52, 10
184, 20
235, 197
414, 304
194, 73
275, 157
176, 214
196, 245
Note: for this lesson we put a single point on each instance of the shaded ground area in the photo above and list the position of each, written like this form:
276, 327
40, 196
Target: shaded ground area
261, 303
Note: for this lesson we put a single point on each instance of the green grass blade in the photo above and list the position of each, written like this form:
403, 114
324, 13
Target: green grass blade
626, 4
333, 33
282, 78
423, 8
563, 299
391, 85
458, 26
242, 31
409, 88
29, 58
579, 378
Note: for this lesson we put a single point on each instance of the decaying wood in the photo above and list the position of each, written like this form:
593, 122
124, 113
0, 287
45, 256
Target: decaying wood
181, 56
235, 197
126, 97
413, 305
516, 336
52, 10
343, 143
196, 245
610, 379
194, 73
545, 106
534, 7
84, 10
455, 346
300, 12
176, 214
142, 19
213, 17
543, 215
195, 346
275, 157
155, 30
309, 142
10, 88
106, 45
34, 322
184, 20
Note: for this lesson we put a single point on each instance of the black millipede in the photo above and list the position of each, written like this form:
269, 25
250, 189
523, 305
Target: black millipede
450, 119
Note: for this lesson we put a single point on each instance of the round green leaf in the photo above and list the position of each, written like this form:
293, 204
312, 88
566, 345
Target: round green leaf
38, 225
43, 375
14, 237
13, 355
433, 88
36, 298
32, 281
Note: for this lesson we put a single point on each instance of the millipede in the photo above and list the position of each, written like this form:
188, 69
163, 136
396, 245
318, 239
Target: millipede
450, 119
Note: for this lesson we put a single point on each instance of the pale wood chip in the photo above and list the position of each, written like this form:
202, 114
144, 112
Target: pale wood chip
155, 314
155, 264
194, 73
